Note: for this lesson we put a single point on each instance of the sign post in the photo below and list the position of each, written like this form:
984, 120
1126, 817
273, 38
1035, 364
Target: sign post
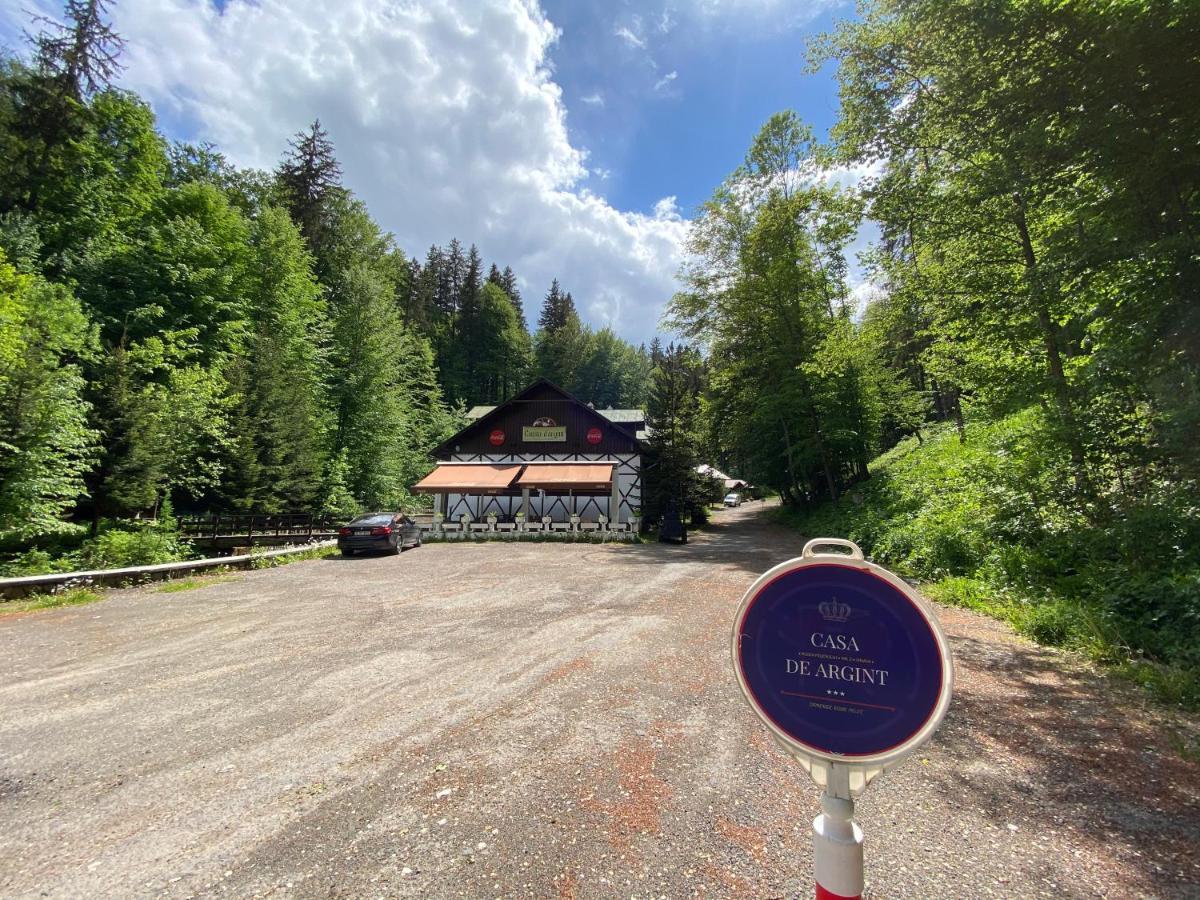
848, 668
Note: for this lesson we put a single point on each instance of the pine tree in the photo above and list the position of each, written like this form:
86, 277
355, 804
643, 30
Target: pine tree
309, 175
429, 283
418, 314
561, 342
557, 309
656, 351
472, 277
279, 424
673, 418
83, 52
73, 60
450, 283
369, 408
508, 281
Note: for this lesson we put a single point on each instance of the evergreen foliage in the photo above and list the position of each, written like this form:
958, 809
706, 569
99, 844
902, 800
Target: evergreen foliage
674, 447
177, 331
309, 176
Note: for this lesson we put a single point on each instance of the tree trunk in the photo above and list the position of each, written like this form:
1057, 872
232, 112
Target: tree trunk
1050, 342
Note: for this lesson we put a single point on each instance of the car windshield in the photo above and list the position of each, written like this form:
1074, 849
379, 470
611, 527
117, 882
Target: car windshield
373, 519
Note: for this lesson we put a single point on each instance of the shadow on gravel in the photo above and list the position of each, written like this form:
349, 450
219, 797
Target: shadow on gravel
1031, 739
748, 541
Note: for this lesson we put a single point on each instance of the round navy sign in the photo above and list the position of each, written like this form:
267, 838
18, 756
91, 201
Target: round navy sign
841, 658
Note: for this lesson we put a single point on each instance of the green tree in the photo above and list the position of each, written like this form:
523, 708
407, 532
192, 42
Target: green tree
388, 410
1046, 225
277, 380
310, 178
561, 340
46, 444
172, 313
504, 354
372, 413
765, 291
673, 417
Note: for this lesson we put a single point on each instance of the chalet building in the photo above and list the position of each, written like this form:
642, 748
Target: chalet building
730, 484
543, 453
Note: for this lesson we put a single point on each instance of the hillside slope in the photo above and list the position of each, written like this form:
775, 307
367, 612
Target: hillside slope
980, 523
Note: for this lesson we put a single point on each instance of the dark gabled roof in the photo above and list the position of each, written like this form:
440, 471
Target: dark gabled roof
619, 416
493, 412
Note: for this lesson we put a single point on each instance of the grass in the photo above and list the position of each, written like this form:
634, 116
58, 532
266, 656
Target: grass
191, 584
71, 597
261, 561
986, 525
78, 596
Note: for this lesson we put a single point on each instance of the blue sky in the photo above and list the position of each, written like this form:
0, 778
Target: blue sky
568, 139
683, 138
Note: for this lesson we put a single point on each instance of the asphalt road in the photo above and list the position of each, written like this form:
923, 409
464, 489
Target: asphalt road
537, 720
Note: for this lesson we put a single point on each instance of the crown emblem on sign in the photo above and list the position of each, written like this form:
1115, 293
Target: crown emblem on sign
833, 610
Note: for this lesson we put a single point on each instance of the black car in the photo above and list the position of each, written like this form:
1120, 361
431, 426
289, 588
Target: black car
392, 532
671, 528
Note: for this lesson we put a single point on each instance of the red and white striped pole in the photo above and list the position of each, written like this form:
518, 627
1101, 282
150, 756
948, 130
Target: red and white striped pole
837, 851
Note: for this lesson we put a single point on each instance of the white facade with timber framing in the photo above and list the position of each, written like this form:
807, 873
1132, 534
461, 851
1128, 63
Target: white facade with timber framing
543, 453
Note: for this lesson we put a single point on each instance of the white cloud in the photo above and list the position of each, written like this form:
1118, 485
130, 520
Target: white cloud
665, 80
602, 174
851, 176
667, 209
596, 99
446, 120
862, 295
632, 34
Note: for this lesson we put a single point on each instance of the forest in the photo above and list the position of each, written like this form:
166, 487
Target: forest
178, 334
1014, 417
1011, 416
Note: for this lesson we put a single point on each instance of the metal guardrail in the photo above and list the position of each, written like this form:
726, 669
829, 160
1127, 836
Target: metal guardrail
40, 584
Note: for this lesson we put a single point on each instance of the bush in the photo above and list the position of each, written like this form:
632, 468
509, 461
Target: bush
988, 524
32, 562
120, 547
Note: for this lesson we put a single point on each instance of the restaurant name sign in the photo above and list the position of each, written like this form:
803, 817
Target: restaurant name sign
847, 666
544, 431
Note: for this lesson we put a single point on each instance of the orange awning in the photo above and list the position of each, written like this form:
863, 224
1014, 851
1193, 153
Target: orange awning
568, 476
468, 478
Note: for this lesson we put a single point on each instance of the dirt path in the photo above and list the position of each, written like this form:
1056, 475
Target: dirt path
536, 720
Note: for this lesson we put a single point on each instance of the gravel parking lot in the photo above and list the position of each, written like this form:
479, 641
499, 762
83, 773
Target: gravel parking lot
512, 720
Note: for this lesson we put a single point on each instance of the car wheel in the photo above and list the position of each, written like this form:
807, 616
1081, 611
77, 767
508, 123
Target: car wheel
418, 543
346, 551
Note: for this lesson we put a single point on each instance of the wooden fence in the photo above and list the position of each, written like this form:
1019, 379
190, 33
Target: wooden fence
252, 529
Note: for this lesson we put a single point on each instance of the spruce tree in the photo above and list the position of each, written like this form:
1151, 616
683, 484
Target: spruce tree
557, 309
278, 381
82, 53
309, 175
508, 281
451, 283
561, 341
472, 282
673, 417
